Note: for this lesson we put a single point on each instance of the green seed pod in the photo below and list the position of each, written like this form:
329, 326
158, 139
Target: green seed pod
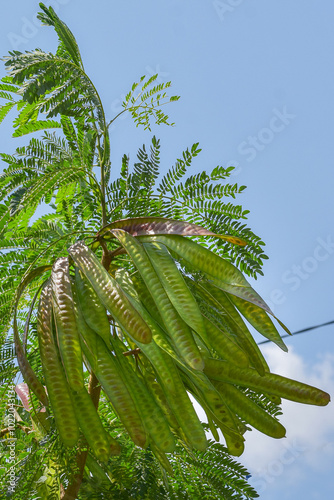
175, 326
260, 320
268, 383
204, 391
100, 442
106, 369
93, 311
224, 345
110, 293
55, 379
154, 420
188, 425
212, 409
160, 360
232, 323
162, 459
66, 327
217, 269
171, 385
249, 411
175, 286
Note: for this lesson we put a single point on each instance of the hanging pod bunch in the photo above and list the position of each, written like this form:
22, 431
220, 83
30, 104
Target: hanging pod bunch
178, 315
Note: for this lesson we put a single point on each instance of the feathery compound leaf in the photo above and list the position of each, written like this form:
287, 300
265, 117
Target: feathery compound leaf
35, 126
5, 109
66, 38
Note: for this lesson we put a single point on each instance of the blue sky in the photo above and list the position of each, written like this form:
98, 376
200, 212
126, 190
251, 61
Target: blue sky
256, 86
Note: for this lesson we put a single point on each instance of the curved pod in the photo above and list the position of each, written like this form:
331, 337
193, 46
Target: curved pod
55, 379
66, 327
269, 383
92, 309
100, 442
175, 286
110, 293
249, 411
176, 327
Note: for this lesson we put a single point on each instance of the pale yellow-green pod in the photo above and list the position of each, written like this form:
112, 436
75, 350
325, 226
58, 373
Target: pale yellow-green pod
175, 286
269, 383
56, 383
106, 369
110, 293
92, 309
161, 361
249, 411
214, 267
100, 442
171, 385
174, 324
153, 418
204, 390
66, 326
232, 323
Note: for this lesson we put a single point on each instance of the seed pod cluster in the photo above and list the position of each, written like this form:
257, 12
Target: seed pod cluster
153, 336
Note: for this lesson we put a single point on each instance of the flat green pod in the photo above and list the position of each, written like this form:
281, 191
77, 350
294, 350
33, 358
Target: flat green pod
189, 426
249, 411
207, 392
162, 459
100, 442
92, 309
175, 286
66, 327
110, 293
224, 345
232, 322
174, 324
104, 365
217, 269
260, 320
269, 383
56, 383
160, 360
153, 418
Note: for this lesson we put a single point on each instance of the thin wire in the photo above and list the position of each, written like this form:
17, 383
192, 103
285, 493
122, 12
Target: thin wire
301, 331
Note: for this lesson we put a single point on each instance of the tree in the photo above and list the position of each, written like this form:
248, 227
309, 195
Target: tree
123, 300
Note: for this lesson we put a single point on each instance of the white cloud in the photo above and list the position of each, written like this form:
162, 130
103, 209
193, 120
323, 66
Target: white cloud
309, 444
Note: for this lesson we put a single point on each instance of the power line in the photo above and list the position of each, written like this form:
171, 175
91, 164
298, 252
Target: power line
301, 331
